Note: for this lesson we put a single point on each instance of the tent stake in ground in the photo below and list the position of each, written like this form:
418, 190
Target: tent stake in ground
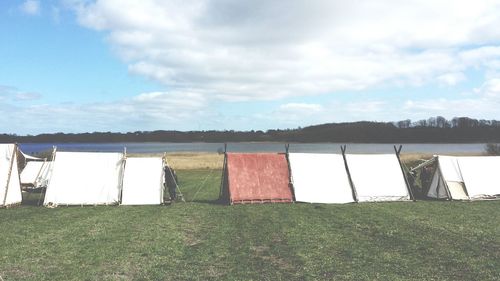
354, 194
410, 192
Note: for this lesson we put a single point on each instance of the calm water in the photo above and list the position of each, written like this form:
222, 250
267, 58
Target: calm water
157, 147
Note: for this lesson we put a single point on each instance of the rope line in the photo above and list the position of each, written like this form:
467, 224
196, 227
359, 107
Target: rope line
202, 184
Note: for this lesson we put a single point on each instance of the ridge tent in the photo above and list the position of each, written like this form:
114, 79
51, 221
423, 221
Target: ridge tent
10, 187
256, 178
320, 178
447, 181
143, 181
85, 178
35, 174
377, 177
481, 176
466, 178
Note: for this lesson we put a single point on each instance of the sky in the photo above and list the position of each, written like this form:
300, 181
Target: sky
124, 65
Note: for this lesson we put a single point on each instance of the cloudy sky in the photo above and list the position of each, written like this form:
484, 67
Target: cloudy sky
127, 65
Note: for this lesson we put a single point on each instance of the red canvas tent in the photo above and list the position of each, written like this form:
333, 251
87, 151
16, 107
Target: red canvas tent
256, 178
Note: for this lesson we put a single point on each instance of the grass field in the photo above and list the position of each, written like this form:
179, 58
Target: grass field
201, 240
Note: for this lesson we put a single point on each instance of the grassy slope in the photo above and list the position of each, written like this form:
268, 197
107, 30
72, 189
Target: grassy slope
201, 240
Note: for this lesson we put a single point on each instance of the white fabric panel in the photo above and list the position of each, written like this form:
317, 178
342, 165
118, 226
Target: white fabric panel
377, 177
31, 172
44, 177
82, 178
14, 195
457, 190
449, 168
320, 178
29, 157
481, 175
437, 188
143, 181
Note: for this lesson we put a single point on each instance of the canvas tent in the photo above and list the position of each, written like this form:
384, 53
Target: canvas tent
481, 176
377, 177
320, 178
85, 178
256, 178
10, 187
35, 174
447, 181
143, 181
465, 178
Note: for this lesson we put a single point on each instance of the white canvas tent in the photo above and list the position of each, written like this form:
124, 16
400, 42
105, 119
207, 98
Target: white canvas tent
447, 181
143, 181
10, 187
377, 177
320, 178
35, 174
481, 176
466, 178
85, 178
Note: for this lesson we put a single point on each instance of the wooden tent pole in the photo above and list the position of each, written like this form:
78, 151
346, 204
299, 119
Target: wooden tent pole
9, 175
17, 163
221, 190
49, 173
163, 177
410, 192
351, 183
124, 163
290, 177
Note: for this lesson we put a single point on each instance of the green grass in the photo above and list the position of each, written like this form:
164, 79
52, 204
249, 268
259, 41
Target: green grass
201, 240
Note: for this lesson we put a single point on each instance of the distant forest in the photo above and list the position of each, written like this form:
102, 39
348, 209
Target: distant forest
432, 130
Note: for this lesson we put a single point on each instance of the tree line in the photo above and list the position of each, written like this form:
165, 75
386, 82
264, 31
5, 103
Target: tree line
431, 130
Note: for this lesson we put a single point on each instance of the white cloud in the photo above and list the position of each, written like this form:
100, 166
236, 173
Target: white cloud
30, 7
147, 111
237, 50
491, 88
12, 94
451, 79
301, 108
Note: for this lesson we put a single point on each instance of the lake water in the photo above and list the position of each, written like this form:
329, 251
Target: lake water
158, 147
